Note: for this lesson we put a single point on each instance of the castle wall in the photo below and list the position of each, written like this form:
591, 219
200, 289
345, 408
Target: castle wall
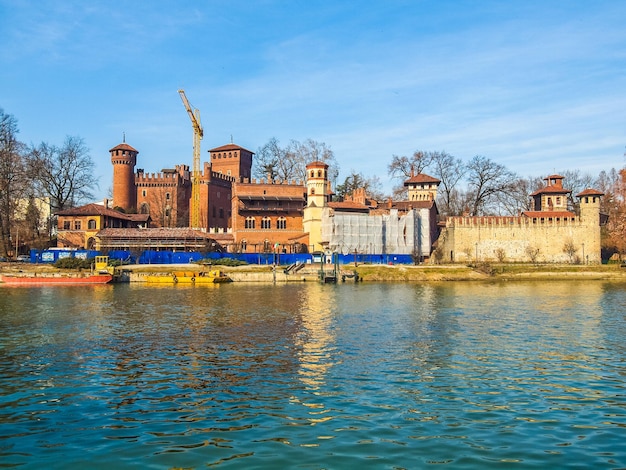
215, 199
520, 239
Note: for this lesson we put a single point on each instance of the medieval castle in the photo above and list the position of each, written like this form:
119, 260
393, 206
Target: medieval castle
247, 215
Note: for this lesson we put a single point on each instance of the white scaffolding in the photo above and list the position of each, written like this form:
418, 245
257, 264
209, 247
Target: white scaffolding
346, 232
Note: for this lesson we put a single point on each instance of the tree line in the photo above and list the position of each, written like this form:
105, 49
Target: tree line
36, 176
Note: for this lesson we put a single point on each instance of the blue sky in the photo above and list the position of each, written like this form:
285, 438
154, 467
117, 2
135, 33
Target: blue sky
538, 86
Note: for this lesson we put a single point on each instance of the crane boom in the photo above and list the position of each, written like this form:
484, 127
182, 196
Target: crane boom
198, 133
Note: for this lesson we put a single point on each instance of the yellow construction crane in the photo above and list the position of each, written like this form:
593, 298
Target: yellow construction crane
198, 133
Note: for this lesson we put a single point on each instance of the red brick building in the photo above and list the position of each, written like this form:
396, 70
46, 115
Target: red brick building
267, 216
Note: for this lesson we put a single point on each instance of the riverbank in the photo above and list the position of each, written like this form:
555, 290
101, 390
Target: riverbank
367, 272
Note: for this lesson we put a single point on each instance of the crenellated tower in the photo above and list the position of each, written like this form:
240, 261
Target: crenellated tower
124, 159
589, 204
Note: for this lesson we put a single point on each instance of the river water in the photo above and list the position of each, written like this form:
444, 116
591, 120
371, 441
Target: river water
309, 376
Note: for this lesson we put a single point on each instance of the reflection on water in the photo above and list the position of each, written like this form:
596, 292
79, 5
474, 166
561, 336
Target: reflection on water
465, 375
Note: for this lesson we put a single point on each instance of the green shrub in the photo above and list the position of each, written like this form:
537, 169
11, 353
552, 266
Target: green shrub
223, 262
73, 263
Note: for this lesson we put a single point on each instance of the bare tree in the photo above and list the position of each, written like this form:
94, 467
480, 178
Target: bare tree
64, 174
449, 170
403, 167
289, 163
533, 253
486, 180
517, 198
613, 204
267, 160
570, 250
13, 180
576, 182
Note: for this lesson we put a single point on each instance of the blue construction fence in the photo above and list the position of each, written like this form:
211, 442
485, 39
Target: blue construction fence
181, 257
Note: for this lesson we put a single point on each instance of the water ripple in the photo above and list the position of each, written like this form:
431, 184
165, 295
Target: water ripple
460, 375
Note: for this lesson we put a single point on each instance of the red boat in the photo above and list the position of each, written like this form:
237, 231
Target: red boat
48, 280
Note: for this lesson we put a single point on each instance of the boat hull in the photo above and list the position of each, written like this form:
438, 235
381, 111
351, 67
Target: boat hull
212, 277
54, 280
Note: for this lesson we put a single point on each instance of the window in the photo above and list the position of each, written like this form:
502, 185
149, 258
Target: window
77, 225
558, 200
167, 196
249, 222
91, 225
266, 223
66, 225
281, 223
144, 193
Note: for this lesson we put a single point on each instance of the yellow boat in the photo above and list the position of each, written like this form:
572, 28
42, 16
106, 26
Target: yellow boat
189, 277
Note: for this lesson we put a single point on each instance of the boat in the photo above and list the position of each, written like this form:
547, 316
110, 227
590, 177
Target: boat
189, 277
33, 279
102, 274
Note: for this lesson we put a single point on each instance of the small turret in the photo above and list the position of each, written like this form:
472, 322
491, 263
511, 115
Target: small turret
422, 187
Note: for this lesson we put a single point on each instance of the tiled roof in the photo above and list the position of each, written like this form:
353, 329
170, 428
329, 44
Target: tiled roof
348, 206
227, 147
406, 205
124, 146
317, 164
590, 192
97, 209
551, 190
421, 178
546, 214
154, 233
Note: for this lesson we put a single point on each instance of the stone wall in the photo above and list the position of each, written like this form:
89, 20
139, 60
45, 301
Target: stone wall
520, 239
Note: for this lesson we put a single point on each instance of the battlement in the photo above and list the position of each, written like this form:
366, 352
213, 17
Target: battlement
177, 175
221, 176
512, 221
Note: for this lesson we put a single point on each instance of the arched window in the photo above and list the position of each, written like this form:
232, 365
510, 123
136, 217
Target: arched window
91, 224
281, 223
266, 223
249, 222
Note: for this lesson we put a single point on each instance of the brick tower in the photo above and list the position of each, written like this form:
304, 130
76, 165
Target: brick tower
124, 159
